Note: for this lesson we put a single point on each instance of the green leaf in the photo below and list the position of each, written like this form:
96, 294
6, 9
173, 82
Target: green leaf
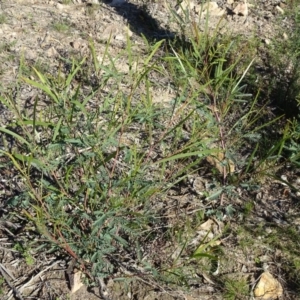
44, 86
57, 128
15, 135
30, 160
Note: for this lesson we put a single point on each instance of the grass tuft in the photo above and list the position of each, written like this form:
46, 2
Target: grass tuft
97, 159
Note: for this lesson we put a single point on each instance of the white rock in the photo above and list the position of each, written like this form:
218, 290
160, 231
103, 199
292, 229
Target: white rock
51, 52
76, 283
109, 32
127, 31
268, 287
79, 44
210, 8
30, 54
60, 7
120, 37
241, 9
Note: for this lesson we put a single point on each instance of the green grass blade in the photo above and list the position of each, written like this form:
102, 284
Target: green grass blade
44, 88
57, 128
15, 135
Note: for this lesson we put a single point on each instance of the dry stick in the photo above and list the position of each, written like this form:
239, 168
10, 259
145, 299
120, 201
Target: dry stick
215, 112
102, 289
223, 148
5, 273
37, 275
6, 249
138, 275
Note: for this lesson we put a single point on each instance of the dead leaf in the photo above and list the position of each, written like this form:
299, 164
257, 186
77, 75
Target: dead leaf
207, 234
268, 287
219, 162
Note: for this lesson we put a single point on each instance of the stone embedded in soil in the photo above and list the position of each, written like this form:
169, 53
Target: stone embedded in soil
268, 287
241, 9
210, 8
76, 282
114, 31
60, 6
51, 52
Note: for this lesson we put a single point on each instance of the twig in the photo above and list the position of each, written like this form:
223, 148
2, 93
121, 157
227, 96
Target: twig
22, 288
6, 275
102, 289
39, 274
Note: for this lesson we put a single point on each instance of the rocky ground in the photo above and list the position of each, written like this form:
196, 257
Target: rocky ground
40, 32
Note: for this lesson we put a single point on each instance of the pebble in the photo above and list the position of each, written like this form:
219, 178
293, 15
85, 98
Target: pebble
241, 9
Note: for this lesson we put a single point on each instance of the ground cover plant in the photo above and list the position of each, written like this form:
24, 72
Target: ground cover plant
109, 181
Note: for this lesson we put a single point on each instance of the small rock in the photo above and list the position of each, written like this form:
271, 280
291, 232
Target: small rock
60, 7
110, 32
284, 178
241, 9
265, 258
76, 282
210, 8
269, 230
127, 31
30, 54
285, 36
199, 186
120, 37
51, 52
268, 287
244, 269
78, 44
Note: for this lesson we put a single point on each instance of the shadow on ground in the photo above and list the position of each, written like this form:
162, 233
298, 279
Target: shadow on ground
141, 22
